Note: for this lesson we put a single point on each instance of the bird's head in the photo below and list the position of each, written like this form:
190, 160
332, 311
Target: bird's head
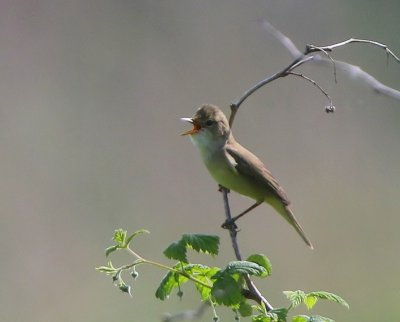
210, 127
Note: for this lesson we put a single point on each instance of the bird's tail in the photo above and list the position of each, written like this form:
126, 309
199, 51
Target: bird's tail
287, 213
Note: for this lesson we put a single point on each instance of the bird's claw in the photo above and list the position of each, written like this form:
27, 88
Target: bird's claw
230, 225
222, 188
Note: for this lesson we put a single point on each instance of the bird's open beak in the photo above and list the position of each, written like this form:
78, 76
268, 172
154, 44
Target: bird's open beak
196, 126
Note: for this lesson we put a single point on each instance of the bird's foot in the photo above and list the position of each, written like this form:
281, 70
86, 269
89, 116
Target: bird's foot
230, 224
221, 188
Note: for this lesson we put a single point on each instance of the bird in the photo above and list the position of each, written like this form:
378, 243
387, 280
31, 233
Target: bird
234, 167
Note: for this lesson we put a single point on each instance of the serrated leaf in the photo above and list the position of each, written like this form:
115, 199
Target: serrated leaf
263, 261
208, 244
176, 251
280, 313
295, 297
274, 315
168, 283
120, 236
329, 296
137, 232
227, 291
245, 309
203, 274
310, 301
242, 267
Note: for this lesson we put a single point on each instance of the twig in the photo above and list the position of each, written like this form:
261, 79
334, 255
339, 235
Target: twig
354, 40
232, 230
329, 108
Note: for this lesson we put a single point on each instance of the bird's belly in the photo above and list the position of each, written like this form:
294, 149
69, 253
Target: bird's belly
230, 178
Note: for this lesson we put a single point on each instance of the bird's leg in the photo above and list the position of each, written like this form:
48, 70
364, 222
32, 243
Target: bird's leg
230, 223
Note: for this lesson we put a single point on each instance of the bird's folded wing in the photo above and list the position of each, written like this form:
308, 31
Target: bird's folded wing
251, 166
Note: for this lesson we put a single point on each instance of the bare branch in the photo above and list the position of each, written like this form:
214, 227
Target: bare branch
327, 55
354, 71
350, 41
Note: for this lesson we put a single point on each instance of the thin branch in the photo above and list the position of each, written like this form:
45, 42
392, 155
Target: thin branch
350, 41
329, 108
299, 59
330, 58
354, 71
254, 292
232, 230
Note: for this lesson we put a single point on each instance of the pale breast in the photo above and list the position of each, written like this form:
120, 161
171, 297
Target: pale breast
224, 172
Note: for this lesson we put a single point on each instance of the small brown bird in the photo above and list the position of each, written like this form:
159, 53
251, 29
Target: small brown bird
236, 168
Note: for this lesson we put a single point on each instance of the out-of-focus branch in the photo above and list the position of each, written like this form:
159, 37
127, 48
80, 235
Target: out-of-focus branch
187, 315
300, 58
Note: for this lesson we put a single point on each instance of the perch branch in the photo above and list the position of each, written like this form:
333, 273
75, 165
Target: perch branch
252, 292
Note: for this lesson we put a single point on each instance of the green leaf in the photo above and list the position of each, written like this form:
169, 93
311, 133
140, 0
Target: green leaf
242, 267
120, 237
263, 261
245, 309
328, 296
280, 313
274, 315
261, 318
314, 318
137, 232
295, 297
310, 301
204, 274
168, 283
227, 291
176, 251
301, 318
208, 244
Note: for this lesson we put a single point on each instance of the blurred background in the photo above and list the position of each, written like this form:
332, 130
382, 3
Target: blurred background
91, 96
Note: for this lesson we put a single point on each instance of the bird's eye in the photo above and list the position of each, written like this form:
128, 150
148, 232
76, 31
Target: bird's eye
209, 122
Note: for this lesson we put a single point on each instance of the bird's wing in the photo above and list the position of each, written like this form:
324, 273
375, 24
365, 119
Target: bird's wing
249, 165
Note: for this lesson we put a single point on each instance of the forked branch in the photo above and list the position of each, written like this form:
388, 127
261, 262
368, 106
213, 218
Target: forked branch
308, 56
